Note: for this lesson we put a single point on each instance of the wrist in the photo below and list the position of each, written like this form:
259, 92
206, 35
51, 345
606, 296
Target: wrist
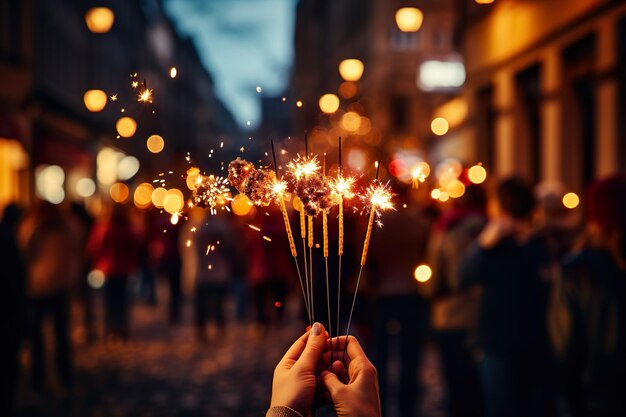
282, 411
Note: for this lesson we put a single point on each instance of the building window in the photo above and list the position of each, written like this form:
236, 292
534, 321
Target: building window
403, 41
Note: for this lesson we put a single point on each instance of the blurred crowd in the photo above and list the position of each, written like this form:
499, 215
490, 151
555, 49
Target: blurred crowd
526, 304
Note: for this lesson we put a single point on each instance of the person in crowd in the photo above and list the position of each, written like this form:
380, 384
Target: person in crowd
454, 312
507, 260
113, 248
588, 313
268, 270
215, 257
303, 379
12, 307
555, 222
170, 264
52, 254
401, 312
82, 222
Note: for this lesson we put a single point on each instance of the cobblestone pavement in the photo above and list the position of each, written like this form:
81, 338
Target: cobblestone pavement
163, 371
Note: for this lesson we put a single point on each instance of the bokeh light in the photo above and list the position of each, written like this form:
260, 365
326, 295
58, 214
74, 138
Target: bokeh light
49, 180
477, 174
119, 192
329, 103
173, 72
439, 126
193, 178
351, 121
409, 19
158, 195
174, 201
126, 127
455, 188
143, 195
85, 187
571, 200
127, 167
423, 273
95, 100
444, 196
96, 279
99, 19
351, 69
155, 143
348, 89
241, 205
435, 194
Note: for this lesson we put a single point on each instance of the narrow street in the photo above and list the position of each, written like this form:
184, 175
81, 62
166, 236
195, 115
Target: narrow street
163, 371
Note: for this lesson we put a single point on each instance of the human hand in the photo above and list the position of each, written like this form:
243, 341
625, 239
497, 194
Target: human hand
293, 385
358, 395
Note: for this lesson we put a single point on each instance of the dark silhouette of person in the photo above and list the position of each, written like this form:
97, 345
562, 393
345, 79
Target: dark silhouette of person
588, 314
12, 307
507, 261
454, 312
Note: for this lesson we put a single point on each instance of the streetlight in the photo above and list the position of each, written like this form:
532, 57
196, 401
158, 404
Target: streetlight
99, 19
409, 19
351, 69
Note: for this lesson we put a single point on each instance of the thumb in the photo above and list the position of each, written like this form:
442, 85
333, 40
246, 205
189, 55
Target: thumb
314, 348
331, 382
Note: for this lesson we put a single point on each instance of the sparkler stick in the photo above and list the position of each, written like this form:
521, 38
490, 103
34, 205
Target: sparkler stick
340, 252
310, 244
292, 245
306, 266
376, 199
325, 234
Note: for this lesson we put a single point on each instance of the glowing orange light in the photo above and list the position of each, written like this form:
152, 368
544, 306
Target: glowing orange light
477, 174
126, 127
155, 143
95, 100
173, 72
158, 195
119, 192
351, 121
439, 126
329, 103
143, 195
455, 188
299, 103
348, 89
423, 273
99, 19
174, 201
241, 205
409, 19
351, 69
571, 200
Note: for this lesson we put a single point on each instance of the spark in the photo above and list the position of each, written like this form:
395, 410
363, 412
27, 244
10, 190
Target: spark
254, 228
279, 187
303, 167
193, 229
188, 243
134, 84
379, 197
145, 96
267, 238
113, 97
241, 149
343, 186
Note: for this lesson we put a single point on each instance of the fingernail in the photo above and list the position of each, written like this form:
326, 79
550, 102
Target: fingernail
316, 330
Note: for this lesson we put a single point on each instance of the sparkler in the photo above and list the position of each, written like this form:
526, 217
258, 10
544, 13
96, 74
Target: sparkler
278, 188
145, 96
379, 197
209, 190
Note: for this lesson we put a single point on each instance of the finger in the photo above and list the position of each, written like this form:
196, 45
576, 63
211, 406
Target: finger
294, 352
332, 383
314, 348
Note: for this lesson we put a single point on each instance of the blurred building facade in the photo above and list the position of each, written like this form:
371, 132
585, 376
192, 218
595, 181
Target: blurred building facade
395, 112
546, 88
49, 59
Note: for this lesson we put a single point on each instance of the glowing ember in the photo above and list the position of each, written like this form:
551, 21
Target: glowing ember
342, 186
145, 96
303, 167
